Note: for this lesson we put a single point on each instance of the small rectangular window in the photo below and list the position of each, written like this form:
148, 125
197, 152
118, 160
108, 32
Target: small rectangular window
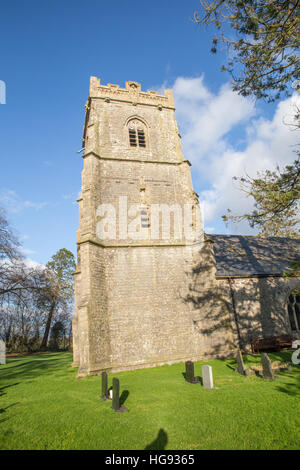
144, 217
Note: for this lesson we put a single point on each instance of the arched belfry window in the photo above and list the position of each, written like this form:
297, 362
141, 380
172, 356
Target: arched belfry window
137, 132
294, 311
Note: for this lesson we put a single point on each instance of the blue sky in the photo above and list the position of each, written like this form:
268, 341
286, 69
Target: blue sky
49, 50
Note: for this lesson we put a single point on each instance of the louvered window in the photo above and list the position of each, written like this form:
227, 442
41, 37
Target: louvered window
141, 138
132, 137
145, 223
137, 133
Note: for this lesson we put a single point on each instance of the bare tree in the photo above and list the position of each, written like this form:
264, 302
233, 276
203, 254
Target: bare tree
58, 292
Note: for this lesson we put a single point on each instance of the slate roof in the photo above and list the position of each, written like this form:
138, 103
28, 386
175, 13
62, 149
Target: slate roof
238, 255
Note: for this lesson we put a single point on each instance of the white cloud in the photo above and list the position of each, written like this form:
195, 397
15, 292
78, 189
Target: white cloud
210, 123
28, 262
204, 118
31, 264
27, 251
13, 203
209, 229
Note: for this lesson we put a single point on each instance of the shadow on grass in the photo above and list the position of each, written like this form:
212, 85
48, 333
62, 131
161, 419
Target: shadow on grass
3, 410
3, 420
198, 378
292, 384
291, 388
5, 387
45, 364
282, 356
160, 442
123, 397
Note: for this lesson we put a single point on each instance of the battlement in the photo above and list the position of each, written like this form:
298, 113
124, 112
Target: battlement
132, 93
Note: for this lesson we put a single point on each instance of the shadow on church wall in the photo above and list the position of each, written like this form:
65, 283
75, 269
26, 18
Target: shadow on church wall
210, 305
229, 312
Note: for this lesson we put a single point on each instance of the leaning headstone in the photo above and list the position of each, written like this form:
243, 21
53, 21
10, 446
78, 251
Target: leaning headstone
190, 374
240, 363
267, 367
116, 397
207, 377
104, 395
2, 352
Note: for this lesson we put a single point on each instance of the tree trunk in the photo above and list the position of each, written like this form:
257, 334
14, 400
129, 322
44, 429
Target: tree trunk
48, 325
8, 333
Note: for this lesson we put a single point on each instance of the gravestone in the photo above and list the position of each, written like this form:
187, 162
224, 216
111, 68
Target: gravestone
267, 367
207, 377
104, 386
190, 374
116, 397
240, 363
2, 352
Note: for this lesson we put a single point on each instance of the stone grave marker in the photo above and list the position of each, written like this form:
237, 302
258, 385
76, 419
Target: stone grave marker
116, 397
267, 367
207, 377
190, 374
240, 363
2, 352
104, 395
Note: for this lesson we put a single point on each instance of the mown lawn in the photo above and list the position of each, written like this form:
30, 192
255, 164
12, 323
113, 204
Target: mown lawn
44, 406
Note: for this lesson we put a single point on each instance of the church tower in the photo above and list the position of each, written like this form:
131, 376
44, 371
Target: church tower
140, 236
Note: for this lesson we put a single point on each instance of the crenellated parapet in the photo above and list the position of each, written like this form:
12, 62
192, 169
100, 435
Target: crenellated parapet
132, 93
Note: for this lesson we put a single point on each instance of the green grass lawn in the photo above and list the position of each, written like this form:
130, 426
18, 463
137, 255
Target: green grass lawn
44, 406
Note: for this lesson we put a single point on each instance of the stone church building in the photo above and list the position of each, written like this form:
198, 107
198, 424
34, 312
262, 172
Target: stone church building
150, 287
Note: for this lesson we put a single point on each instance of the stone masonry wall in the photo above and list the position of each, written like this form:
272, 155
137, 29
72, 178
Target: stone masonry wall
261, 306
156, 308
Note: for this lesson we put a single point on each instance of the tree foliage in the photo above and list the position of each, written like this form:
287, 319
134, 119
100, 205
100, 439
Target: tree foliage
263, 59
276, 207
16, 279
32, 296
9, 244
263, 53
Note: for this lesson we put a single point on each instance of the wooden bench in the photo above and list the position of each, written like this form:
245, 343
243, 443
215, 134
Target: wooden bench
271, 343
